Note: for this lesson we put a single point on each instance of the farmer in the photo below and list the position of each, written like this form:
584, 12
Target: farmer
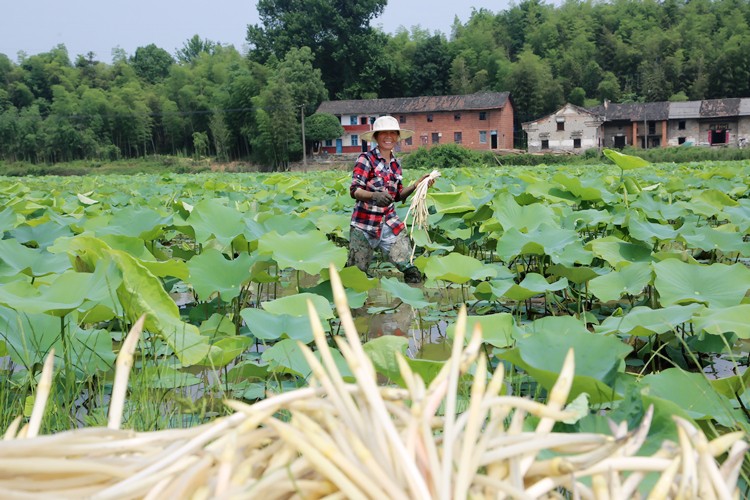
376, 185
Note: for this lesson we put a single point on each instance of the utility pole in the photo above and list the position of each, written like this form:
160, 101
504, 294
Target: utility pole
304, 146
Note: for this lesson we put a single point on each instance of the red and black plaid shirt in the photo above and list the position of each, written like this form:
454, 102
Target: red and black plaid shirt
372, 172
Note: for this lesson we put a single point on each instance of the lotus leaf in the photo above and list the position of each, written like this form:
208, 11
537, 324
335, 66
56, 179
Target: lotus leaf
497, 329
716, 321
310, 252
265, 325
724, 239
217, 326
457, 268
352, 277
16, 259
534, 284
691, 394
296, 305
650, 232
210, 218
162, 376
562, 245
212, 272
285, 223
225, 350
286, 356
576, 187
456, 202
354, 299
41, 235
29, 337
383, 351
625, 162
409, 295
630, 279
619, 253
523, 218
644, 321
716, 285
598, 359
246, 370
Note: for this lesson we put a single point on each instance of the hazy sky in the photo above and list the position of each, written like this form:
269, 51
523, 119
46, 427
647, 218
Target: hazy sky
98, 26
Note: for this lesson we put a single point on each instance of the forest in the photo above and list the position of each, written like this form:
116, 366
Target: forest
211, 99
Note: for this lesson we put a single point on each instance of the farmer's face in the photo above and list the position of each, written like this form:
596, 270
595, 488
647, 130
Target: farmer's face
387, 139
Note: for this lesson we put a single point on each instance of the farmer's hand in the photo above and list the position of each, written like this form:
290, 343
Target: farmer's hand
429, 184
382, 198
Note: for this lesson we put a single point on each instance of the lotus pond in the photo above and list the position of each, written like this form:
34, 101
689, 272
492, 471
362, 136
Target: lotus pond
642, 269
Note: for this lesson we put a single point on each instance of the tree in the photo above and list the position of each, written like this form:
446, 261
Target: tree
193, 48
322, 127
305, 82
277, 139
151, 63
337, 31
432, 68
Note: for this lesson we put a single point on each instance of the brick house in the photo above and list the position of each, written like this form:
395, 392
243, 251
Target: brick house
710, 122
481, 121
570, 128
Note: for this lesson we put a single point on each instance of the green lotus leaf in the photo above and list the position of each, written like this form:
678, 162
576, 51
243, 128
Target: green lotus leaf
534, 284
90, 350
650, 232
732, 387
457, 268
625, 162
692, 394
353, 298
161, 376
41, 235
296, 305
247, 370
29, 337
739, 215
383, 351
581, 219
734, 319
598, 360
136, 221
576, 187
212, 272
413, 296
19, 259
333, 223
455, 202
724, 239
421, 239
286, 356
562, 245
630, 279
285, 223
619, 253
265, 325
716, 285
217, 326
561, 325
310, 252
210, 218
657, 209
523, 218
352, 277
226, 350
497, 329
9, 218
136, 248
644, 321
577, 274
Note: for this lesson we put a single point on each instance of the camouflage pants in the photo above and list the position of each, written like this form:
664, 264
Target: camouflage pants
361, 251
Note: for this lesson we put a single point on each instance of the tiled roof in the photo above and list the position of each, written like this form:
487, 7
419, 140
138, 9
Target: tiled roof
426, 104
709, 108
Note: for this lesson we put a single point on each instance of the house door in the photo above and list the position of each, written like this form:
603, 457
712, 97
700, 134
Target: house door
364, 146
339, 146
493, 139
717, 137
619, 141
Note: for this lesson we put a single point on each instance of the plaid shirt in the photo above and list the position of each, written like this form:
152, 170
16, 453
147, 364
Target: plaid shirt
373, 173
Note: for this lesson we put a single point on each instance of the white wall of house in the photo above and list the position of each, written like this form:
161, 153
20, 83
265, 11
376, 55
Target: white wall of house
569, 129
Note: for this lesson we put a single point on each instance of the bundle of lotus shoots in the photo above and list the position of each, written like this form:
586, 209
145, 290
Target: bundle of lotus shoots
339, 439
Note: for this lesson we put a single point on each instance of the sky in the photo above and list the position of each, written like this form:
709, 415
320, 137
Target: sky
98, 26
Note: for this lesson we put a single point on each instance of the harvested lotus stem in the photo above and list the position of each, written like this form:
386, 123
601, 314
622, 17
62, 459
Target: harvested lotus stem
418, 206
355, 439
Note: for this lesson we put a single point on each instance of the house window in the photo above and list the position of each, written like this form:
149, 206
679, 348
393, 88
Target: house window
457, 117
408, 141
329, 143
577, 143
372, 120
363, 120
681, 125
681, 140
545, 143
457, 137
429, 117
482, 115
352, 120
402, 119
482, 137
561, 126
423, 140
651, 128
435, 138
355, 140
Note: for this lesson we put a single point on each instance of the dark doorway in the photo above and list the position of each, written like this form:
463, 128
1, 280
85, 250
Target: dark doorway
619, 141
718, 137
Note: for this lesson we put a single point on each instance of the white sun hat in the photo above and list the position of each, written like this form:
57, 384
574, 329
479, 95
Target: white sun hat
386, 123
